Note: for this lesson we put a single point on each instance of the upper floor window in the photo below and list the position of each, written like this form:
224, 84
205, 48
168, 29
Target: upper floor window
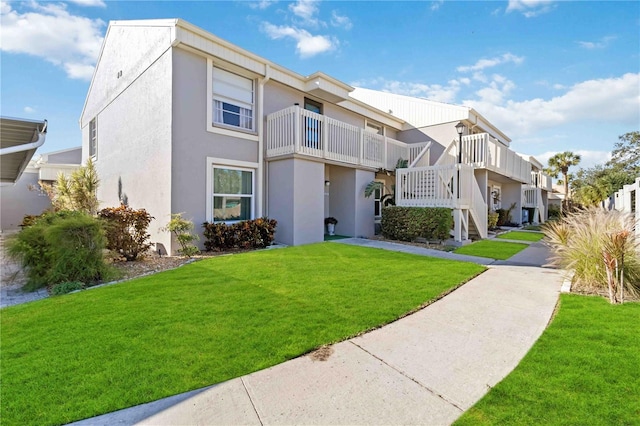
233, 99
93, 138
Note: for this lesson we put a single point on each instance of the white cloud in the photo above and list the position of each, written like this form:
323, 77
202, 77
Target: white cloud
89, 3
307, 44
306, 11
29, 110
530, 8
492, 62
495, 92
50, 32
262, 4
600, 44
588, 159
435, 5
340, 21
613, 100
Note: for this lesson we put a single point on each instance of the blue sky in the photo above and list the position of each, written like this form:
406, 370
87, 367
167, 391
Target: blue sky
553, 75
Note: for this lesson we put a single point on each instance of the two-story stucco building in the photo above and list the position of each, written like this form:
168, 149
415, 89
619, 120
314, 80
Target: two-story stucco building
187, 122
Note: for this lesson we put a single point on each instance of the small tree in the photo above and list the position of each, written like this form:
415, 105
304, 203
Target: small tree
182, 230
76, 192
559, 164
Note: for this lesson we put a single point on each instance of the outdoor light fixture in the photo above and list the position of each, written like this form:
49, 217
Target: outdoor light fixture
327, 183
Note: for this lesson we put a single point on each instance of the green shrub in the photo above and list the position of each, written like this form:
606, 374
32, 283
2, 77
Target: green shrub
126, 230
554, 212
60, 247
409, 223
248, 234
66, 287
182, 229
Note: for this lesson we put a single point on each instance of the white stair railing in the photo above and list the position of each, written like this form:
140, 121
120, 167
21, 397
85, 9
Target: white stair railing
420, 155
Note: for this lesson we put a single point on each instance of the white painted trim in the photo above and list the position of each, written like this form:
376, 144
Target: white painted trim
232, 133
249, 134
229, 164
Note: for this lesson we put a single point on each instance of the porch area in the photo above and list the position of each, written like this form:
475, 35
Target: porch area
295, 130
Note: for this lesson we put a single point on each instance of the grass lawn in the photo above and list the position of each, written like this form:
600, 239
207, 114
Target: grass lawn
500, 250
582, 371
84, 354
521, 236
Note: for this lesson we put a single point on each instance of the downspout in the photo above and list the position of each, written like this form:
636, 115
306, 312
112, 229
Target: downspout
42, 134
261, 181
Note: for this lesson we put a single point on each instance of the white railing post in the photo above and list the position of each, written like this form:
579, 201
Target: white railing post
325, 138
361, 133
296, 129
384, 152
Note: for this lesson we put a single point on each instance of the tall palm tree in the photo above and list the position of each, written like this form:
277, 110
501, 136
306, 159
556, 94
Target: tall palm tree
559, 164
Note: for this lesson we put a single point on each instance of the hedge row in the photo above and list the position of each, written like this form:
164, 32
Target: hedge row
248, 234
409, 223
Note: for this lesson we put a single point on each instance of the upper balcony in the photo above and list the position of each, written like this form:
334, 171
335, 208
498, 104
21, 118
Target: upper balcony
540, 180
485, 152
295, 130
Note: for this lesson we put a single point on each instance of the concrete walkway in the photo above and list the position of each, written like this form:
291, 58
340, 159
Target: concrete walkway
426, 368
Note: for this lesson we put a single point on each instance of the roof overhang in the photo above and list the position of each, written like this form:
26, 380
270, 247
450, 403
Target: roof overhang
19, 140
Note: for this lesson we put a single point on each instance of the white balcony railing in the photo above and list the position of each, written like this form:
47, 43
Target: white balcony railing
297, 131
484, 152
540, 180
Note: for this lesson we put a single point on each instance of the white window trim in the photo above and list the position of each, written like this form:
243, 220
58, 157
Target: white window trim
377, 124
219, 128
234, 165
93, 156
377, 218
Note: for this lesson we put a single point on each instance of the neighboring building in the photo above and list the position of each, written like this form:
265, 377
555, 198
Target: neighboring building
19, 139
25, 198
627, 200
183, 121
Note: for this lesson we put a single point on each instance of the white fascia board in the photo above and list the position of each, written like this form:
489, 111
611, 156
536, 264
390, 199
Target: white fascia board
488, 124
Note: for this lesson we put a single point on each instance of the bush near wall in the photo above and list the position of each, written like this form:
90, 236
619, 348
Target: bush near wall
248, 234
126, 230
409, 223
61, 247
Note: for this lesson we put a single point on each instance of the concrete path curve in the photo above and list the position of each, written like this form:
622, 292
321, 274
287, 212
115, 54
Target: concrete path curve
426, 368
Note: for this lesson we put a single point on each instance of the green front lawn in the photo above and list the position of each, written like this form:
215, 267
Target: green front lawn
500, 250
582, 371
521, 236
84, 354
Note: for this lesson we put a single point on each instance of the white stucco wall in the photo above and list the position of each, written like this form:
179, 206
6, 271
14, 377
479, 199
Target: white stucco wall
134, 146
17, 200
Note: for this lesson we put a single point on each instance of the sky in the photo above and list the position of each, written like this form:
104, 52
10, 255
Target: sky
553, 75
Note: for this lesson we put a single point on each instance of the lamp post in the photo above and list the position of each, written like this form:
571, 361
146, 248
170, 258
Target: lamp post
459, 128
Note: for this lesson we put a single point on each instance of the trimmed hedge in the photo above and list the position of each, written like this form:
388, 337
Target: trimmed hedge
248, 234
409, 223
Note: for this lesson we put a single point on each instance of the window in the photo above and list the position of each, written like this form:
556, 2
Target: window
233, 99
313, 126
93, 138
374, 128
232, 194
377, 201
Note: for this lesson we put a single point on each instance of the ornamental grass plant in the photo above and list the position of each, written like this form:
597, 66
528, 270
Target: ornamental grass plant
588, 243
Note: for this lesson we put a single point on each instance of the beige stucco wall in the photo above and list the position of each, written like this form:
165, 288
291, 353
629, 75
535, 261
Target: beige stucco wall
296, 200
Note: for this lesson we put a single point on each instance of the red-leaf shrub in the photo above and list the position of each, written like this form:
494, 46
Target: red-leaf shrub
248, 234
126, 230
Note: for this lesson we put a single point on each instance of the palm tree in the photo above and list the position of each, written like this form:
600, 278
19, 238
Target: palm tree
559, 164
